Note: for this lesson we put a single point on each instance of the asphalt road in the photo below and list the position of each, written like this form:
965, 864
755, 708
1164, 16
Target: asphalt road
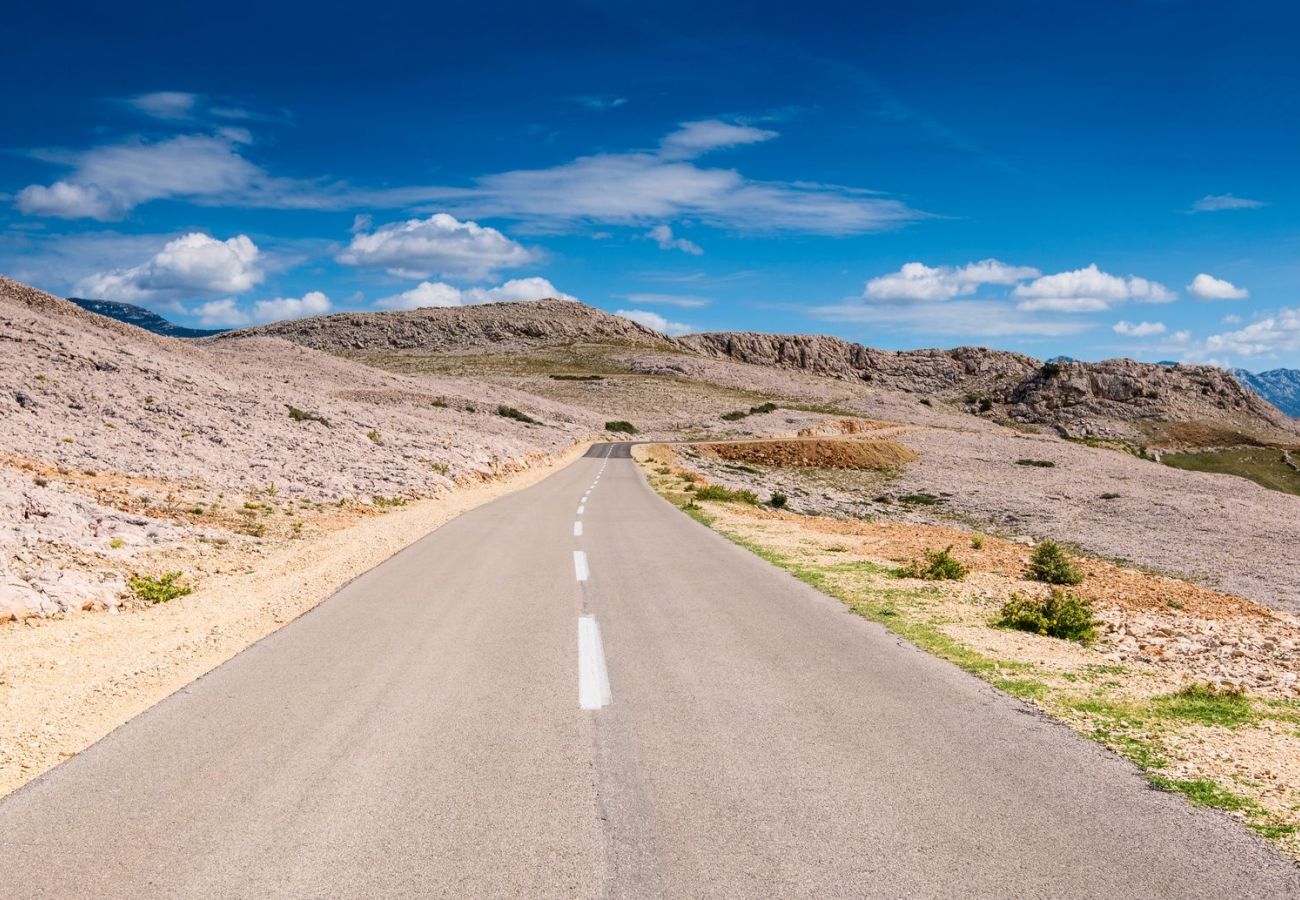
577, 691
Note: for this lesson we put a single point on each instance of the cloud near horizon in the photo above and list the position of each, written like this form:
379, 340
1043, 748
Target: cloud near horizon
653, 320
427, 294
194, 264
227, 313
1087, 290
919, 282
441, 245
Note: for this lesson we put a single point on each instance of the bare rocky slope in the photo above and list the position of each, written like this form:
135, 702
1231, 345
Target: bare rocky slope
500, 326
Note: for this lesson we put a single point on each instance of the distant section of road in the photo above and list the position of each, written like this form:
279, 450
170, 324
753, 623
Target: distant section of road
577, 691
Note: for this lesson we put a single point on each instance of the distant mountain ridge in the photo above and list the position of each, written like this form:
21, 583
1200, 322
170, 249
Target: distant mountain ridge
1281, 387
143, 318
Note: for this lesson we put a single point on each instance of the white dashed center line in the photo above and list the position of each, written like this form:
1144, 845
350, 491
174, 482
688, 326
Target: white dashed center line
580, 565
577, 529
593, 677
581, 509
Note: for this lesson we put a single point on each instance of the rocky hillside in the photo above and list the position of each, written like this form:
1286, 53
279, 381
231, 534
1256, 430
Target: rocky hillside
1117, 398
1281, 387
495, 326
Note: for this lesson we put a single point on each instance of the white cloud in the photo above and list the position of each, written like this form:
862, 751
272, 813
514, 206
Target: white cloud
108, 182
1220, 202
917, 281
441, 244
694, 138
647, 187
1278, 333
439, 293
192, 265
1207, 287
653, 320
684, 301
167, 105
1087, 290
1230, 319
959, 319
226, 313
663, 236
1139, 330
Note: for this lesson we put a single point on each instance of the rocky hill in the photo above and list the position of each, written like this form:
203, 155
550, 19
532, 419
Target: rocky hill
1281, 387
142, 318
1117, 398
495, 326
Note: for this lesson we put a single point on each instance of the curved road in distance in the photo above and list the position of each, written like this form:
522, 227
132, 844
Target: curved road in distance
577, 691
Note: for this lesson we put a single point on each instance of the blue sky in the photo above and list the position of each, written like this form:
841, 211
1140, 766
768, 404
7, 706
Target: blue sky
1095, 179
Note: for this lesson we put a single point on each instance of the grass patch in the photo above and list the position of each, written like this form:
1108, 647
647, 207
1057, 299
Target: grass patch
299, 415
919, 499
383, 502
1061, 615
621, 426
734, 416
1206, 704
1037, 463
158, 590
1265, 466
726, 495
1052, 564
509, 412
567, 377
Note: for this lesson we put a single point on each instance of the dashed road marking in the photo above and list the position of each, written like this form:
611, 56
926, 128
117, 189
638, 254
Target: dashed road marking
580, 565
577, 529
593, 677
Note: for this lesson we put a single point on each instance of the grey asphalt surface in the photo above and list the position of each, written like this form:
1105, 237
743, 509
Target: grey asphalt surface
419, 734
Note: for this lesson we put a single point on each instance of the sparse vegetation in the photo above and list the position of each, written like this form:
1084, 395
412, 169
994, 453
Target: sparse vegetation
977, 542
158, 590
374, 436
299, 415
1110, 495
1037, 463
1206, 704
1052, 564
778, 500
621, 427
116, 544
939, 565
383, 502
1061, 615
509, 412
734, 416
1265, 466
726, 495
921, 499
578, 377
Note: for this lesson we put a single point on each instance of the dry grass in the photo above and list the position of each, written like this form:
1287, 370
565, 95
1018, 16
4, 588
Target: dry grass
819, 453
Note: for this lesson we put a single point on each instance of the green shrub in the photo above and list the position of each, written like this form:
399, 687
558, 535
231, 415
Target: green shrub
621, 427
388, 501
117, 544
578, 377
735, 416
1050, 563
985, 404
1039, 463
374, 436
726, 495
762, 408
1062, 615
1110, 495
919, 499
977, 542
1051, 369
509, 412
778, 500
939, 565
158, 590
299, 415
925, 401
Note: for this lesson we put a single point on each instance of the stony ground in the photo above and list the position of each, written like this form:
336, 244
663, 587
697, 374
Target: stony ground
1197, 686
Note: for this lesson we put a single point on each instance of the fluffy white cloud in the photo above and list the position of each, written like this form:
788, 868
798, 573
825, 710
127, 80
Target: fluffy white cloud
1278, 333
1140, 329
167, 105
663, 236
441, 244
1087, 290
653, 320
694, 138
917, 281
226, 313
1220, 202
1207, 287
192, 265
439, 293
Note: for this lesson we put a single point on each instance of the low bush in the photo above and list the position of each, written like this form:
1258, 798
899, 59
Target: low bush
299, 415
762, 408
977, 542
778, 500
718, 492
509, 412
621, 427
1051, 564
374, 436
1038, 463
919, 499
1110, 495
158, 590
939, 565
734, 416
578, 377
1062, 615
